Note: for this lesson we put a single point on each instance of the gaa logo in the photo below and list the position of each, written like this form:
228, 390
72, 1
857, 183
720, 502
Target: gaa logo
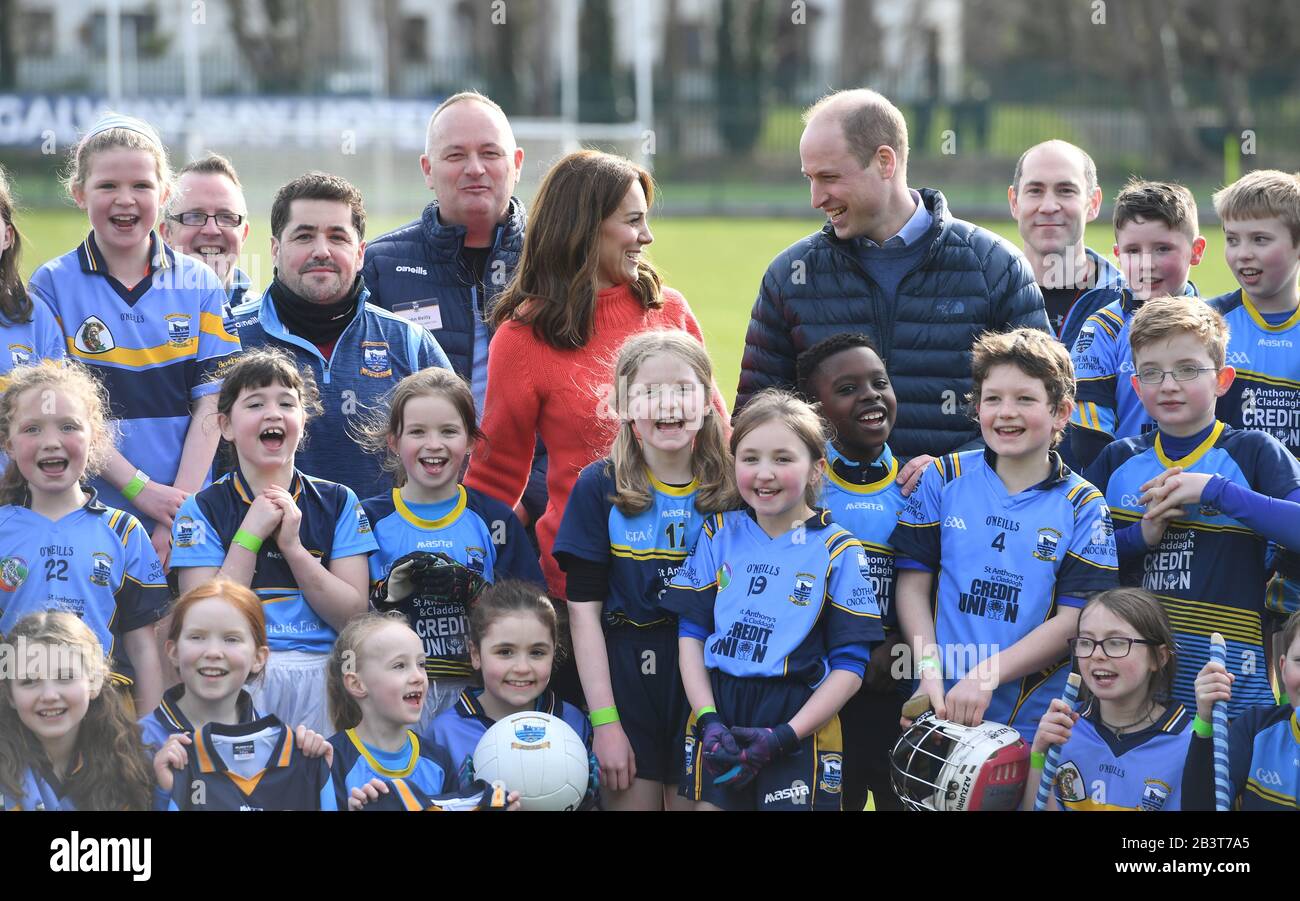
13, 572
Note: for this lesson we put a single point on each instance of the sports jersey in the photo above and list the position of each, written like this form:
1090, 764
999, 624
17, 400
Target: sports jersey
1141, 771
421, 763
96, 562
868, 506
776, 607
248, 766
642, 550
333, 526
376, 350
460, 727
167, 718
26, 343
1103, 362
478, 532
1208, 571
1005, 562
157, 347
1265, 396
42, 790
1263, 747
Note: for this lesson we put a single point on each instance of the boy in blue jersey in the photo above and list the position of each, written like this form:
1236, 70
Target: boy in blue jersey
1018, 540
1261, 233
1157, 243
1263, 743
1197, 500
847, 378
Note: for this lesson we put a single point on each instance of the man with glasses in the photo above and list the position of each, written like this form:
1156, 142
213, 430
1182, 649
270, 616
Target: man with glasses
208, 220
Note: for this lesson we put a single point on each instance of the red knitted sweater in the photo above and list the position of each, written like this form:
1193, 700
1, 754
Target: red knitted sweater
564, 395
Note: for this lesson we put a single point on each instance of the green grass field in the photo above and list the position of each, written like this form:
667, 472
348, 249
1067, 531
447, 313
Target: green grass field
716, 263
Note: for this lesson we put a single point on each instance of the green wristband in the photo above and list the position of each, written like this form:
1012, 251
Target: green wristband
703, 710
247, 540
604, 716
929, 663
1202, 728
131, 490
1037, 760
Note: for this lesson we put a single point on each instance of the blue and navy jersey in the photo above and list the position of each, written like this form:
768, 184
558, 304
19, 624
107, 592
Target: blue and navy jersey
868, 507
157, 347
477, 531
1103, 363
1263, 773
1209, 570
421, 763
776, 607
249, 766
376, 350
333, 526
1142, 771
96, 562
1005, 562
41, 790
1265, 395
642, 550
460, 727
167, 718
27, 343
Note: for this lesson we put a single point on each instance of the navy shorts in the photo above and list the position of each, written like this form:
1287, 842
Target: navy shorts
652, 706
809, 779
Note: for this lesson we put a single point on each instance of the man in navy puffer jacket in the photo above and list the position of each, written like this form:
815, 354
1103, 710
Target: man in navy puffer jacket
894, 264
445, 269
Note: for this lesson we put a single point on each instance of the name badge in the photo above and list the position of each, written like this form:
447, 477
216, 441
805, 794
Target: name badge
420, 312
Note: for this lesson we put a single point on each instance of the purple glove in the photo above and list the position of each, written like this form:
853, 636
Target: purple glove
718, 749
759, 747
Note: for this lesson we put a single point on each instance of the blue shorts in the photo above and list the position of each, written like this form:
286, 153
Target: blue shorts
809, 779
648, 692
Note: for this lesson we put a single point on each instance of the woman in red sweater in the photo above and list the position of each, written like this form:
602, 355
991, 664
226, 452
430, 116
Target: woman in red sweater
582, 287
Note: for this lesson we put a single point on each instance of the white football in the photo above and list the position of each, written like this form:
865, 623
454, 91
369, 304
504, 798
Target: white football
537, 755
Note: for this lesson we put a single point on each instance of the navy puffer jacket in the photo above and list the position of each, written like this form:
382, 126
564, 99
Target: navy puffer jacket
968, 281
421, 261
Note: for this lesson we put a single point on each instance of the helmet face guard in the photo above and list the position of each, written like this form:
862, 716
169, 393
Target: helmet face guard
940, 765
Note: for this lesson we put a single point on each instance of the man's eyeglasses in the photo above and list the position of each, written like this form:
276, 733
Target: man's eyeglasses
1181, 374
1115, 648
198, 219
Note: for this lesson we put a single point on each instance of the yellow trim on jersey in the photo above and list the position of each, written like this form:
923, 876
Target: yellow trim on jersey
430, 525
1272, 381
1114, 317
214, 325
1295, 727
1268, 794
138, 357
1206, 617
1292, 321
375, 765
672, 490
876, 548
630, 553
404, 792
1195, 454
870, 487
1089, 804
246, 785
1091, 562
286, 750
205, 759
1128, 515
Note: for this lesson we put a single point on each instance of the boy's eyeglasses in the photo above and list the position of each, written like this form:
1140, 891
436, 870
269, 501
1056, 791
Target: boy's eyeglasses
1115, 648
198, 219
1181, 374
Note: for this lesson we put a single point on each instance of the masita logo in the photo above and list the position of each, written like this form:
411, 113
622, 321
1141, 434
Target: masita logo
93, 337
797, 793
75, 854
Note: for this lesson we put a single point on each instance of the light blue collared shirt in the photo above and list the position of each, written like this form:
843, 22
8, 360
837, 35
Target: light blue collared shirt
912, 230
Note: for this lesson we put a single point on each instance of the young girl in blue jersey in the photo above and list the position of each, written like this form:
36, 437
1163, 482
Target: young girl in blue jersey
514, 640
776, 619
846, 377
1263, 742
1125, 748
149, 320
60, 547
628, 526
377, 684
426, 434
299, 542
28, 330
67, 739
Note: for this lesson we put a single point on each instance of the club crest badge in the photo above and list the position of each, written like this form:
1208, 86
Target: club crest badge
1048, 540
178, 329
374, 360
93, 337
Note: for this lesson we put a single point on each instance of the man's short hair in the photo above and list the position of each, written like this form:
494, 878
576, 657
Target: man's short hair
869, 121
1161, 201
1163, 318
461, 97
1265, 194
317, 186
212, 164
1090, 182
